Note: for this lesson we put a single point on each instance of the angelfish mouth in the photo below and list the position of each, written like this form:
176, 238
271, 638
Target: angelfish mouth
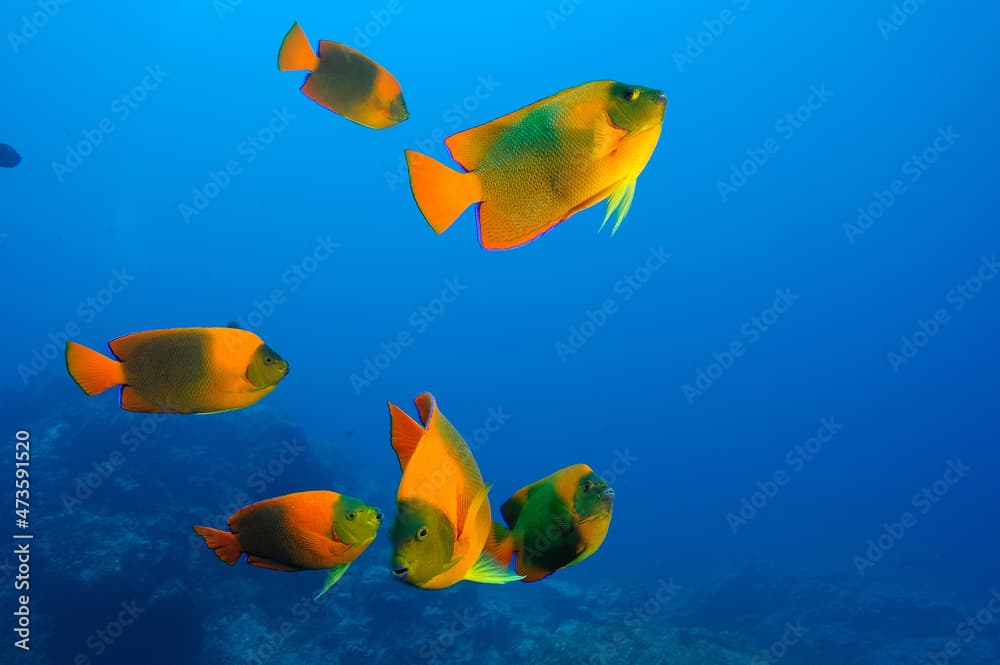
609, 493
400, 573
398, 111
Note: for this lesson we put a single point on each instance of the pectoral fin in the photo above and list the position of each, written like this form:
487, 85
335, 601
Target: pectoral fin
487, 570
472, 508
620, 201
332, 578
607, 138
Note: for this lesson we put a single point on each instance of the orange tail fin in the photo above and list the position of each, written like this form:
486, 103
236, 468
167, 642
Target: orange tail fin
92, 371
500, 544
441, 193
296, 53
225, 544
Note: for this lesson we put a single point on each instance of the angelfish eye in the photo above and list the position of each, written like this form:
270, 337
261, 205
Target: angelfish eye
588, 486
631, 94
268, 360
351, 516
422, 533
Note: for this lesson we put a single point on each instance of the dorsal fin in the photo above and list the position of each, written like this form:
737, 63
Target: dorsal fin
426, 407
468, 147
405, 433
123, 347
511, 508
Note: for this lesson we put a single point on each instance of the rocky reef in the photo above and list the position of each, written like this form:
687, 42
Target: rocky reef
120, 578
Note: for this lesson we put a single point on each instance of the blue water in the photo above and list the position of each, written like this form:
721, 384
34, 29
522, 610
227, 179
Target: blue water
789, 345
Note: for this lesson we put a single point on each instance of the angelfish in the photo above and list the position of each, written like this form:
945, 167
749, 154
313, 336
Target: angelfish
442, 523
555, 522
181, 370
301, 531
533, 168
344, 80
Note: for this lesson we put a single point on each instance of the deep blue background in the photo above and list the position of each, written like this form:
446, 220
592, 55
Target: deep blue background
495, 345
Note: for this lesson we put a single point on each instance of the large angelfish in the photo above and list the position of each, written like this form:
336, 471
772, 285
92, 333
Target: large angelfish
533, 168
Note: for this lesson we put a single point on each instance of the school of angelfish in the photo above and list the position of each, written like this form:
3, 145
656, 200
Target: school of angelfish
526, 172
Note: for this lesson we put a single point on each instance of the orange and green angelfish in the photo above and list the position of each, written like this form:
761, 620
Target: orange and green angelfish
181, 370
533, 168
556, 522
317, 530
345, 81
443, 519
